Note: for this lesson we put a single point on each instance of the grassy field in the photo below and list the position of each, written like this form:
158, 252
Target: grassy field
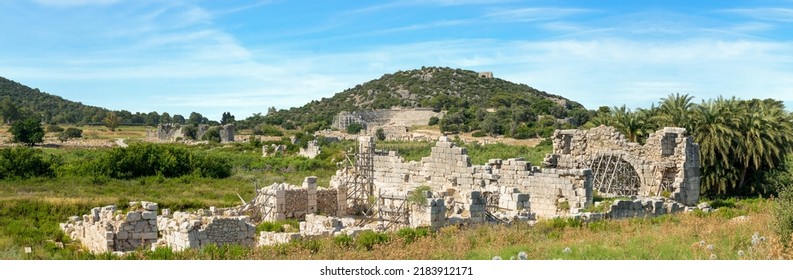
724, 234
31, 209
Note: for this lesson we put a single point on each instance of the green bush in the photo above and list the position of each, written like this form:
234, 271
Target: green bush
343, 240
279, 226
54, 128
70, 133
434, 121
410, 235
478, 133
783, 215
380, 133
354, 128
368, 239
141, 160
267, 130
23, 162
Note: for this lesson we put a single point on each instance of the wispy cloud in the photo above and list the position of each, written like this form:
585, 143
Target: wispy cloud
769, 14
67, 3
534, 14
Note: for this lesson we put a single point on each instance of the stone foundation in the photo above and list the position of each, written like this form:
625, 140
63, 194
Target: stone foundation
107, 230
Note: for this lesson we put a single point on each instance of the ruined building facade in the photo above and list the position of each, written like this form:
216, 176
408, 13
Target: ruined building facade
666, 165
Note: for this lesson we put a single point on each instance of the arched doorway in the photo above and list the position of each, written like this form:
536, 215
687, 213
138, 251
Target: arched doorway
613, 175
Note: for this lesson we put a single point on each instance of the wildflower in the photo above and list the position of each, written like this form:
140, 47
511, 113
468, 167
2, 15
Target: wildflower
701, 243
713, 256
740, 253
567, 250
496, 258
522, 255
710, 247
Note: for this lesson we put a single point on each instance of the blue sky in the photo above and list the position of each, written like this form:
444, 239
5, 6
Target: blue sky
181, 56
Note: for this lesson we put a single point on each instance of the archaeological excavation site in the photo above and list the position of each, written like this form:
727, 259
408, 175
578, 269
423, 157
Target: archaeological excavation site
590, 175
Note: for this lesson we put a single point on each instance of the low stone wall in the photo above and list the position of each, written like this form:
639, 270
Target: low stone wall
106, 230
310, 151
283, 201
191, 230
645, 207
556, 191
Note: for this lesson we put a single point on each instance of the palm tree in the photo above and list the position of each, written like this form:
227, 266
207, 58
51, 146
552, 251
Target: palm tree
675, 110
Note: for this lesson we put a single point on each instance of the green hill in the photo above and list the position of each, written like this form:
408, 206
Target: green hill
472, 102
50, 107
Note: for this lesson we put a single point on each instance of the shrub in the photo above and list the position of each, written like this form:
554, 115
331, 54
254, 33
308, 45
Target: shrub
354, 128
478, 133
783, 215
140, 160
434, 121
54, 128
70, 133
380, 134
419, 195
23, 163
28, 131
409, 235
267, 130
289, 225
368, 239
343, 240
212, 135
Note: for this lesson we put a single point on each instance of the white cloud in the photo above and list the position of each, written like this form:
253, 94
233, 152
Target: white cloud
67, 3
770, 14
534, 14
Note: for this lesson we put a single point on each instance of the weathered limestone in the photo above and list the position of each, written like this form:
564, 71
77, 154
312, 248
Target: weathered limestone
310, 151
667, 164
282, 201
385, 117
107, 230
195, 230
449, 168
175, 132
226, 133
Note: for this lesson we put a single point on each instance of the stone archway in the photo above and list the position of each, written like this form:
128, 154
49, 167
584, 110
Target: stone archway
612, 174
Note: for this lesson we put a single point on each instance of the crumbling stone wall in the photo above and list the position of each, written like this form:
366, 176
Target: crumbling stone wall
642, 207
312, 150
667, 162
107, 230
195, 230
283, 201
449, 167
558, 191
226, 133
385, 117
170, 132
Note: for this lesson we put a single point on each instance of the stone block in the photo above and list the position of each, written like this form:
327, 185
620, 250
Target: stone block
149, 215
133, 216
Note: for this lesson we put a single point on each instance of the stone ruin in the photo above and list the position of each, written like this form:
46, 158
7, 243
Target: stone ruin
184, 230
487, 75
312, 149
385, 118
177, 132
107, 230
666, 165
382, 191
273, 149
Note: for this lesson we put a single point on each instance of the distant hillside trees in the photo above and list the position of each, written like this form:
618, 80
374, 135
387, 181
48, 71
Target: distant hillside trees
227, 118
467, 99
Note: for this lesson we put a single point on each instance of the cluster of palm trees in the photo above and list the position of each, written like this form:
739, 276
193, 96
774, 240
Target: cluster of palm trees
741, 141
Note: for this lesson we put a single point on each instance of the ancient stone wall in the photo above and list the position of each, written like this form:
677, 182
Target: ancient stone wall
283, 201
195, 230
107, 230
226, 133
312, 150
449, 167
668, 163
385, 117
558, 191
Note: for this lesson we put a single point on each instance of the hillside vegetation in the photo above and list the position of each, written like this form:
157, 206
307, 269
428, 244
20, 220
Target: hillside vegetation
492, 105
